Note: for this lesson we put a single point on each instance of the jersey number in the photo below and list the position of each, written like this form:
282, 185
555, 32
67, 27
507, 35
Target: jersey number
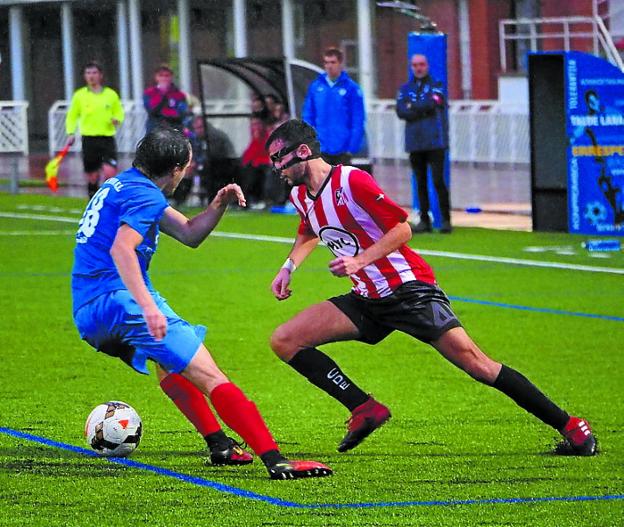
91, 216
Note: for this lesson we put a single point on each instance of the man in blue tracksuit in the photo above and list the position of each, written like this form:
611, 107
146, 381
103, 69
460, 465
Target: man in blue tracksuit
334, 105
422, 104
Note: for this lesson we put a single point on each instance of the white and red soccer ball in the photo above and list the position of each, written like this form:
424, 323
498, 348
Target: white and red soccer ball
113, 429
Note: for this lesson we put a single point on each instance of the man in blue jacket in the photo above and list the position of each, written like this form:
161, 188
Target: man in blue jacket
334, 105
422, 104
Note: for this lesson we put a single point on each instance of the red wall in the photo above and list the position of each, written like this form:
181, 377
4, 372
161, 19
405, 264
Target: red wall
484, 16
562, 9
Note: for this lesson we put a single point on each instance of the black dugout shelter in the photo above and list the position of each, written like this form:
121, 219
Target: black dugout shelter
226, 85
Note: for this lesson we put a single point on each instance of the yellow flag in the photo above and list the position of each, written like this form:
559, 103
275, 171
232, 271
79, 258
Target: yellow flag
51, 169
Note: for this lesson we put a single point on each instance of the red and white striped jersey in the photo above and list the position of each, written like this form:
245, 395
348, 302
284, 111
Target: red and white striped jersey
349, 214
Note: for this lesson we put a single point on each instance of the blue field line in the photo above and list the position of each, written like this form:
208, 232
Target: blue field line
242, 493
536, 309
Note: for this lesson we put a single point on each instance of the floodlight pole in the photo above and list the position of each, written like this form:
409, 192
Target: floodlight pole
184, 50
365, 49
136, 56
67, 35
122, 50
288, 40
240, 28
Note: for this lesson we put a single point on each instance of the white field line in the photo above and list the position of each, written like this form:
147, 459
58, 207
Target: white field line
442, 254
42, 217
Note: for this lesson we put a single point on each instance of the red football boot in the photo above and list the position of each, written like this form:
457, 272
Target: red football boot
232, 455
578, 439
364, 420
299, 469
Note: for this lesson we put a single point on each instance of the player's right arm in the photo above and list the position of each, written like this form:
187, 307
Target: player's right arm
123, 252
303, 246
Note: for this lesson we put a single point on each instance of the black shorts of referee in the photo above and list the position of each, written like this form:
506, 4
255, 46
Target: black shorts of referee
96, 150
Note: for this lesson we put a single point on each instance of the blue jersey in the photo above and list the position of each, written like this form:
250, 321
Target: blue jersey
336, 110
129, 198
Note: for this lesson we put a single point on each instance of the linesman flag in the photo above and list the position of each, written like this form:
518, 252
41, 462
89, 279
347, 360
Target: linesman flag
51, 169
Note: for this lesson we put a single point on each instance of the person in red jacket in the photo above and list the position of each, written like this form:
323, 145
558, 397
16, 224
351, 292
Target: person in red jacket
256, 165
164, 102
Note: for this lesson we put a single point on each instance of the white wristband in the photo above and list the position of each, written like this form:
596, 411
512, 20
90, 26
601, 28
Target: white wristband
289, 264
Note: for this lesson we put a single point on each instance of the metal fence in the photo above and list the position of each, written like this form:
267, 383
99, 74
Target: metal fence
480, 131
130, 131
13, 127
583, 33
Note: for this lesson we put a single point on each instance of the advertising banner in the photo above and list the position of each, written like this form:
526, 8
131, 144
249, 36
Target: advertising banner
595, 127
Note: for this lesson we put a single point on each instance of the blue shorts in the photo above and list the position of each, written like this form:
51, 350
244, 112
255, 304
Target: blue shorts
113, 323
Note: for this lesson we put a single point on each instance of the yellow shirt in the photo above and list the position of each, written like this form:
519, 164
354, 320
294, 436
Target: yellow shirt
93, 112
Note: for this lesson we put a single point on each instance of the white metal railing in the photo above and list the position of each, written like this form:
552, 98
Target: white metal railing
565, 31
130, 131
612, 14
14, 127
479, 131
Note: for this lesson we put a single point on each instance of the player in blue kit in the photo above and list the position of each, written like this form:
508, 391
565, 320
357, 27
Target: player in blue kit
117, 310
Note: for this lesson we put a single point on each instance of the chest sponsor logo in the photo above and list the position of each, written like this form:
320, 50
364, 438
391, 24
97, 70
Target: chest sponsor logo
339, 241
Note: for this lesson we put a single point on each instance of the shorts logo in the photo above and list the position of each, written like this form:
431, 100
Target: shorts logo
442, 314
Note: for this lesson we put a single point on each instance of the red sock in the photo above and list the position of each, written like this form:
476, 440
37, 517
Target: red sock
191, 402
242, 416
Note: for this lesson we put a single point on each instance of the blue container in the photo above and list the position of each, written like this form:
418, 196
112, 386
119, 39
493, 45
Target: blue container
603, 245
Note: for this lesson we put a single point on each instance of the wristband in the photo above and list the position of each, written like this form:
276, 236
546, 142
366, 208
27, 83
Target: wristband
290, 265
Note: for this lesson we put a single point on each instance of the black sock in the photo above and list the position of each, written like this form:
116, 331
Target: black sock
217, 440
272, 457
527, 396
323, 372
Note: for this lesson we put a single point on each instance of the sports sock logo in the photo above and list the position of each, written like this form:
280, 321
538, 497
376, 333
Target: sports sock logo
338, 379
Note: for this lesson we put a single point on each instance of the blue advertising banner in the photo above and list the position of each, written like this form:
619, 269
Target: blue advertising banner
595, 128
433, 46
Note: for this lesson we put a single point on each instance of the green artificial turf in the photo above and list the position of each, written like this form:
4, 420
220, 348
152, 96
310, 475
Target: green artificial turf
449, 439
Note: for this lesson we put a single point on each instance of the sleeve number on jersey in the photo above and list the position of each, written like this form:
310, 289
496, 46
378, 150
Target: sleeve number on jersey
91, 216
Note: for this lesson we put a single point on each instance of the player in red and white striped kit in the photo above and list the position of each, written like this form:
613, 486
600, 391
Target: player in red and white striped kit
393, 289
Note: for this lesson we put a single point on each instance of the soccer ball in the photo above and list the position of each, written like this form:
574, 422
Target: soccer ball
113, 429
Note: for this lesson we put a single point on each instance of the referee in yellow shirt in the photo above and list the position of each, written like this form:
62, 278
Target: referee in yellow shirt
96, 110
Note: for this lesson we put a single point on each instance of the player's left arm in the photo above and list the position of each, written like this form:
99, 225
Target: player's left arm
392, 240
389, 217
192, 232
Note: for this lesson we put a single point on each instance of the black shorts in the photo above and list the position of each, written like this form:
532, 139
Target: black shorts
419, 309
97, 150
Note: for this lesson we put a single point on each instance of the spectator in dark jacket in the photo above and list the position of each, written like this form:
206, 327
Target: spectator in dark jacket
164, 101
422, 104
334, 105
